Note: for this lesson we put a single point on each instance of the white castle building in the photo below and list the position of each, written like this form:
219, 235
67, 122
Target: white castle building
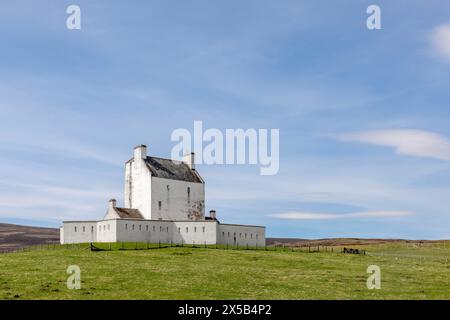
164, 203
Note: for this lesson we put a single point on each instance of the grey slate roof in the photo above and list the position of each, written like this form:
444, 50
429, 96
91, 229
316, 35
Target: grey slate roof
171, 169
126, 213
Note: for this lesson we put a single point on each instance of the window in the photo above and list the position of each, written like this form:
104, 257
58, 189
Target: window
126, 226
168, 188
228, 234
203, 229
245, 236
189, 196
84, 229
139, 227
92, 229
195, 229
223, 234
251, 235
75, 228
179, 230
153, 228
160, 228
104, 227
167, 229
187, 229
159, 205
240, 235
132, 227
99, 228
146, 227
109, 227
256, 236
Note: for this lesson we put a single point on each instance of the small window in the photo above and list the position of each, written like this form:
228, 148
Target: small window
109, 227
168, 188
92, 229
126, 226
223, 234
188, 191
251, 235
99, 228
84, 229
228, 234
132, 227
179, 230
104, 227
195, 229
160, 228
154, 228
159, 205
187, 229
139, 227
146, 227
75, 228
203, 229
256, 236
167, 229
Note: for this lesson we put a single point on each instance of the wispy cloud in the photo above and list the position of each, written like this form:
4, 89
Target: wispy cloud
440, 40
328, 216
417, 143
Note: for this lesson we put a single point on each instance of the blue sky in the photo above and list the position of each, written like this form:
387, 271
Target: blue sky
363, 115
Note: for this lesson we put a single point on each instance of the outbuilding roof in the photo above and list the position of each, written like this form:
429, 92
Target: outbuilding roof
125, 213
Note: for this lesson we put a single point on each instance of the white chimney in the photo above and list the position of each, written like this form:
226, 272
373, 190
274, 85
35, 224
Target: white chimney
189, 159
140, 152
112, 203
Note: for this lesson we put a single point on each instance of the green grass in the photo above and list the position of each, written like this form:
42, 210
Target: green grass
407, 272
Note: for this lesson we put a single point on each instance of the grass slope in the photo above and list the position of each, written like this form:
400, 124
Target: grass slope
408, 272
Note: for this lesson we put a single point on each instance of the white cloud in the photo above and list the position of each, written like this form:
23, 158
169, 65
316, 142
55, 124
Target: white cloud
440, 40
405, 141
328, 216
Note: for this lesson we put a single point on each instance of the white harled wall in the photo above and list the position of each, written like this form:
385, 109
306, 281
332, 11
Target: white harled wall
172, 200
154, 231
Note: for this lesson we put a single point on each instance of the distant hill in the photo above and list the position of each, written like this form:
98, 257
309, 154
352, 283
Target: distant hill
13, 237
291, 242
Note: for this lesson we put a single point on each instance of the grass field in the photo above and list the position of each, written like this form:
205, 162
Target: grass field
408, 271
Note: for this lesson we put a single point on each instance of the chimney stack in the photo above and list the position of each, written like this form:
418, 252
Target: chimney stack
140, 152
189, 159
112, 203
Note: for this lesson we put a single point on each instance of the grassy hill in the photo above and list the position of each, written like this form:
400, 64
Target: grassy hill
408, 271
